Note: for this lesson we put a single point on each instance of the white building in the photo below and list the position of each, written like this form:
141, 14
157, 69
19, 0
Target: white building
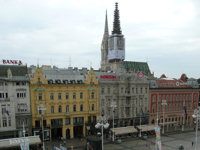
14, 101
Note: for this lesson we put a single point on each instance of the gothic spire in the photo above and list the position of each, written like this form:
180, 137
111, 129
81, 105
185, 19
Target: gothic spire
106, 26
116, 23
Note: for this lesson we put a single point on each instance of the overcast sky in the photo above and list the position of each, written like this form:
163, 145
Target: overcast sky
164, 33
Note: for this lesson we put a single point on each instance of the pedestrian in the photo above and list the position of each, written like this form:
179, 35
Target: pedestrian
192, 143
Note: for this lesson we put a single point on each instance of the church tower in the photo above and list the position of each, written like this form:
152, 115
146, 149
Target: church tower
116, 41
104, 46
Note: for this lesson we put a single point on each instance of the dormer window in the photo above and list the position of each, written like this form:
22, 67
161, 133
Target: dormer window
65, 81
58, 81
50, 81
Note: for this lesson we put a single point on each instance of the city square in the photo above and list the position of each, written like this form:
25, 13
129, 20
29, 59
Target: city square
170, 141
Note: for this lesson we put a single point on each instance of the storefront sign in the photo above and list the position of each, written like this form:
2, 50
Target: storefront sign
180, 84
11, 62
18, 140
107, 77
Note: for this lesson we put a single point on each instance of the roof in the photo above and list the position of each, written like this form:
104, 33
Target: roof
136, 66
15, 70
171, 83
15, 142
63, 74
124, 130
146, 127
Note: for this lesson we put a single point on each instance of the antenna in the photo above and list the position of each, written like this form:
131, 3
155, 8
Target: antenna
37, 61
51, 61
70, 61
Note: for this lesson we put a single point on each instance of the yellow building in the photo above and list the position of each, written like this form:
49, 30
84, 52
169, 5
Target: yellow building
71, 103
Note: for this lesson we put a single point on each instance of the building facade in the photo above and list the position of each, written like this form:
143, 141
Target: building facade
70, 99
124, 83
128, 92
173, 100
14, 101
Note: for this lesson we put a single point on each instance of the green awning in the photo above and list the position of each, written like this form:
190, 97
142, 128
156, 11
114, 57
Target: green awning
91, 89
37, 90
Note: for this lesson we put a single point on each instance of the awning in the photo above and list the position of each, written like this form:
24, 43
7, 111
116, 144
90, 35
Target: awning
15, 142
124, 130
144, 128
166, 123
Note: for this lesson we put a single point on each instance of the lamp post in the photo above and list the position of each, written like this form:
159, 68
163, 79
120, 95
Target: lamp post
42, 108
183, 115
140, 121
102, 123
196, 115
113, 105
163, 105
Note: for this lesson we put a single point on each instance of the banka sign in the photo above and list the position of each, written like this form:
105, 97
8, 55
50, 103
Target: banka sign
11, 62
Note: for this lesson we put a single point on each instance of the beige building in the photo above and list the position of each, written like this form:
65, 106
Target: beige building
70, 99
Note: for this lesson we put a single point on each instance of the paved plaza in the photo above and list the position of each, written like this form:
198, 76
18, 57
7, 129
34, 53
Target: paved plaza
169, 142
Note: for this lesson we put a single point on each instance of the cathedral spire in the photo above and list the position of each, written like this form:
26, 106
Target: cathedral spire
106, 32
116, 23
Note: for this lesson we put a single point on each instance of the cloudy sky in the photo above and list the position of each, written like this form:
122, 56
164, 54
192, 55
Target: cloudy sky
164, 33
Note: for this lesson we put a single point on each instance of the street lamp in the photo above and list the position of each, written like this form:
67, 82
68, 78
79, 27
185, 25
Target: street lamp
102, 123
183, 115
113, 105
196, 115
163, 105
42, 108
140, 120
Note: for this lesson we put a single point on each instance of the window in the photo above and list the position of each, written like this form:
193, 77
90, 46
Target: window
108, 90
60, 109
102, 90
67, 108
74, 95
146, 90
38, 80
94, 118
81, 95
1, 95
89, 119
136, 91
59, 96
21, 94
9, 122
4, 123
67, 95
92, 95
74, 108
51, 96
67, 121
1, 83
141, 90
122, 90
92, 107
132, 90
52, 109
40, 96
81, 107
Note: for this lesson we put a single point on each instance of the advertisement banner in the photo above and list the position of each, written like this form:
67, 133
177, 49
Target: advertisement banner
158, 139
24, 145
